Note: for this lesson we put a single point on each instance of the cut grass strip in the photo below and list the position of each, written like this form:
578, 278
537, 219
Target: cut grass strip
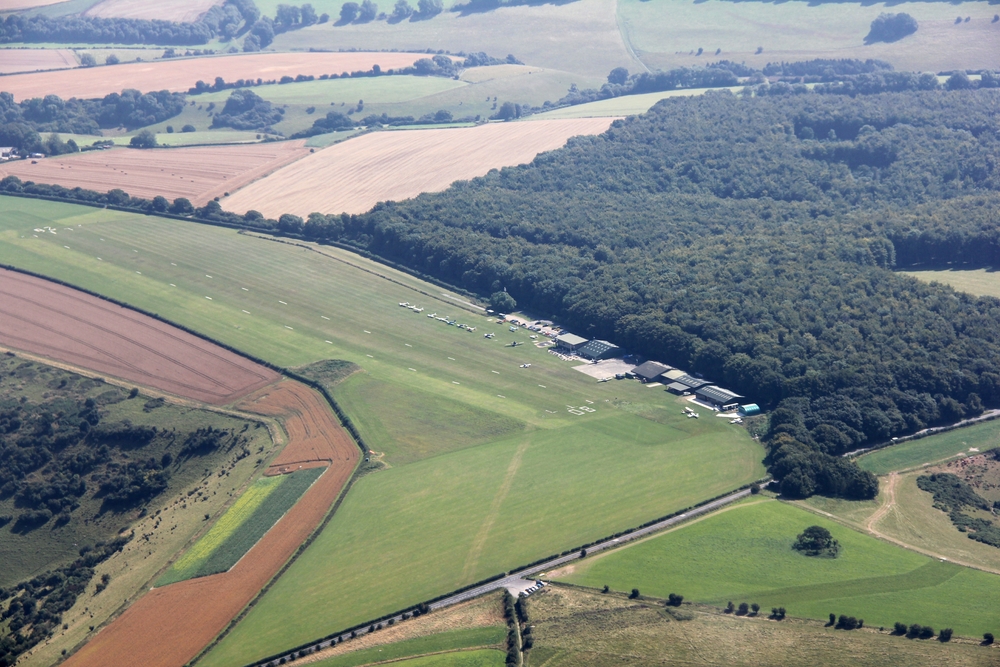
253, 514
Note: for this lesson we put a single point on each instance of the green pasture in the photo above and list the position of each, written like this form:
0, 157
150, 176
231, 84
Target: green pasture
454, 640
981, 282
666, 35
745, 554
480, 658
507, 476
933, 449
243, 524
380, 89
627, 105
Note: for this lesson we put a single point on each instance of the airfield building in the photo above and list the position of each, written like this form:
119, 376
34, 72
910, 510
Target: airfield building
649, 371
678, 388
570, 342
749, 410
599, 349
691, 382
718, 397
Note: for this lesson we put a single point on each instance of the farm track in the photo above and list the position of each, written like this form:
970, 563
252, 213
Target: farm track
169, 626
198, 173
180, 74
55, 321
354, 175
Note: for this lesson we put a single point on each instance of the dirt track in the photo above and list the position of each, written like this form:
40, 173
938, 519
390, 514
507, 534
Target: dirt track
61, 323
170, 625
198, 173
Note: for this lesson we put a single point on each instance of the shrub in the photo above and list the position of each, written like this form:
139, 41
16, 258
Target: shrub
987, 638
744, 609
634, 594
899, 628
190, 128
945, 635
891, 28
675, 600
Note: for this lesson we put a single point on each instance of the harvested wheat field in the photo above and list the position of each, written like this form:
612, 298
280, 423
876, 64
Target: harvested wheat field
180, 74
169, 626
198, 173
31, 60
15, 5
48, 319
354, 175
182, 11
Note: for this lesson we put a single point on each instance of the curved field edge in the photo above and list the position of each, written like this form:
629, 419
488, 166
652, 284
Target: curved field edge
235, 533
576, 479
956, 443
745, 555
488, 637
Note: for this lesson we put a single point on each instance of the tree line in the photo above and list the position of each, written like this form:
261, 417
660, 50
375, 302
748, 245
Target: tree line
748, 238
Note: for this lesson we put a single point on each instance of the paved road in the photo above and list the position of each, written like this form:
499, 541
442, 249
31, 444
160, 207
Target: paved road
517, 581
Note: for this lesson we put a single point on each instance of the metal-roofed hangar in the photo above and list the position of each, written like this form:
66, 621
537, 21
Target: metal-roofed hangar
570, 342
719, 397
749, 410
678, 388
649, 371
690, 381
599, 349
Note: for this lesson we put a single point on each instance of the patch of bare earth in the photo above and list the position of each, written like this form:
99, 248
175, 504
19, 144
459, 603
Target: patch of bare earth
197, 173
354, 175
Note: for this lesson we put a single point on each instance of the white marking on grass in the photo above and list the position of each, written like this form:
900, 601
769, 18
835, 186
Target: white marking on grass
328, 341
171, 263
102, 239
207, 276
366, 331
134, 250
451, 358
551, 412
501, 396
369, 356
247, 312
407, 345
453, 382
324, 317
139, 272
172, 285
414, 370
543, 386
288, 327
497, 372
209, 298
589, 401
99, 259
244, 289
280, 301
66, 246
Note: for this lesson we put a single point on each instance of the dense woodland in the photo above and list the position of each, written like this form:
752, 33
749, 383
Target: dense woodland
751, 238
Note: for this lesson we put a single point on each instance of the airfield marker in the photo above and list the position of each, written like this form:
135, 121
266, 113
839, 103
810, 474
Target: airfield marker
407, 345
324, 317
451, 358
369, 356
543, 386
501, 396
328, 341
366, 331
244, 289
288, 327
280, 301
497, 372
414, 370
247, 312
172, 285
209, 298
453, 382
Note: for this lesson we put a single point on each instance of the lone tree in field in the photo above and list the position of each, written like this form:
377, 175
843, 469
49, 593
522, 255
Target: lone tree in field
634, 594
144, 139
987, 638
817, 541
891, 28
755, 608
675, 600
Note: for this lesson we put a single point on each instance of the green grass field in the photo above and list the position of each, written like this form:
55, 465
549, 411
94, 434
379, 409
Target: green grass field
745, 554
574, 627
243, 524
518, 476
629, 105
933, 449
177, 138
444, 641
981, 282
669, 35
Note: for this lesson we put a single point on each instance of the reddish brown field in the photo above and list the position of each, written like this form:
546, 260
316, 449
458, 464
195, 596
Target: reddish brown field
182, 11
31, 60
61, 323
354, 175
180, 74
170, 625
198, 173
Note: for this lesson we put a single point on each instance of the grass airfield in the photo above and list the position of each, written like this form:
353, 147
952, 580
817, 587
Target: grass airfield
514, 476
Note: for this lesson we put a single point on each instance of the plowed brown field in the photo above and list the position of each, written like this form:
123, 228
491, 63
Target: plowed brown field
170, 625
179, 74
182, 11
44, 318
198, 173
354, 175
30, 60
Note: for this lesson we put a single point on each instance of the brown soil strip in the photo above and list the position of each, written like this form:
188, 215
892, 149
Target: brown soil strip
170, 625
55, 321
198, 173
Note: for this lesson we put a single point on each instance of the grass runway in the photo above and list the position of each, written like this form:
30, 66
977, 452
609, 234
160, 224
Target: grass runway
514, 476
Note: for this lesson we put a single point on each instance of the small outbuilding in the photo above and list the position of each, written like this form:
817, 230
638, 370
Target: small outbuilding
678, 388
599, 349
570, 342
649, 371
718, 397
6, 151
749, 410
